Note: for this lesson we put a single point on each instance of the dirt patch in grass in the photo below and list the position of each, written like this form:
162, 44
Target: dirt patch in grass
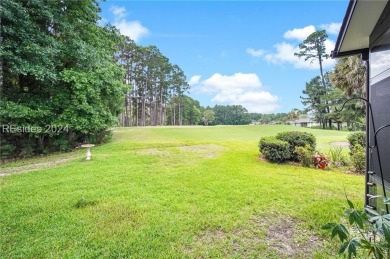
155, 152
205, 151
32, 167
288, 239
210, 237
276, 237
202, 151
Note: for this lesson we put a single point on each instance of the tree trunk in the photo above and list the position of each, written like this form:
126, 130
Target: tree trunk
321, 71
324, 86
161, 107
136, 118
180, 113
151, 112
131, 111
174, 114
171, 114
41, 140
143, 112
155, 113
126, 122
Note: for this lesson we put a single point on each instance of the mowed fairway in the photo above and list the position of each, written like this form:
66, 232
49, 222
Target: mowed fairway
169, 192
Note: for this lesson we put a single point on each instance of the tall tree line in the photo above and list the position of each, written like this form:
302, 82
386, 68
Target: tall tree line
155, 87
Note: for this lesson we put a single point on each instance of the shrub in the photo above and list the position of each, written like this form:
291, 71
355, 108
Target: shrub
61, 143
367, 230
304, 155
358, 158
274, 150
320, 161
99, 137
297, 139
357, 138
337, 157
6, 150
322, 128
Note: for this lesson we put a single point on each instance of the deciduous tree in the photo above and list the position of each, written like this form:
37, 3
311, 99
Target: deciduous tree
208, 117
58, 70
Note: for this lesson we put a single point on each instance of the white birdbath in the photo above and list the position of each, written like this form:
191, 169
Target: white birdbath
88, 147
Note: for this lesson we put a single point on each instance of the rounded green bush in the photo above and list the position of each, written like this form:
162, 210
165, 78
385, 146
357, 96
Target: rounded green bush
297, 139
358, 158
274, 150
305, 155
357, 138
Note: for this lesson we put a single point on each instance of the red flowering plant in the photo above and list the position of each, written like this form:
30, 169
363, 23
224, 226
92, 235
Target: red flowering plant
320, 160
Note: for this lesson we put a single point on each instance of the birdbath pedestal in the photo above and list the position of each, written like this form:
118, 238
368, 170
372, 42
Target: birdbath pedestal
88, 147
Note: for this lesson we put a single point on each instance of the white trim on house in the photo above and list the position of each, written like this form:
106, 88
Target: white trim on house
304, 122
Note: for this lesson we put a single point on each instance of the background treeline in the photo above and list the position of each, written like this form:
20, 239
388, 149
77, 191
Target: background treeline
65, 80
271, 118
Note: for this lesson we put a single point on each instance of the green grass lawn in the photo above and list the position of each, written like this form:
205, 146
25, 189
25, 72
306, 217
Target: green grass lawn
169, 192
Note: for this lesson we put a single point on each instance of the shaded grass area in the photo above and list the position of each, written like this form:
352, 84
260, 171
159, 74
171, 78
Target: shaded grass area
174, 192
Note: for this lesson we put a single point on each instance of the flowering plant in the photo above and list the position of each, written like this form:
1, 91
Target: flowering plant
320, 160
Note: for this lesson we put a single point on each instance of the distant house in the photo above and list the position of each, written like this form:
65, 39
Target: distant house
303, 122
308, 123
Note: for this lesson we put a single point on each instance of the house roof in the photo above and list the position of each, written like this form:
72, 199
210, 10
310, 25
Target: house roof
359, 22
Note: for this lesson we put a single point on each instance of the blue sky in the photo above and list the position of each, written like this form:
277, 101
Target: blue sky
233, 52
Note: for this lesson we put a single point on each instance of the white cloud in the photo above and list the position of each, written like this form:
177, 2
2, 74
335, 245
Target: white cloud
284, 51
255, 53
285, 54
194, 80
331, 28
238, 89
133, 29
299, 33
329, 46
119, 12
238, 80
